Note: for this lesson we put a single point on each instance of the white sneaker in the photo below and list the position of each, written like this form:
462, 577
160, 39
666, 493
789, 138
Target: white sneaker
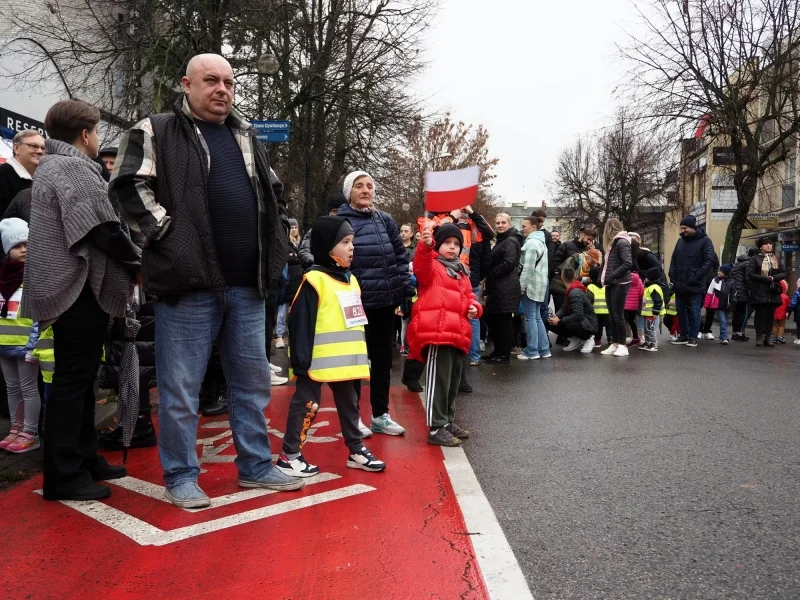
674, 338
384, 424
574, 344
278, 380
275, 368
628, 340
797, 341
709, 336
279, 343
365, 431
621, 351
610, 350
588, 346
699, 336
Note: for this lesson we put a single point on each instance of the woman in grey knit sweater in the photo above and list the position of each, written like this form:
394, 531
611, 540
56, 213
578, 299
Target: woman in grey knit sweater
79, 270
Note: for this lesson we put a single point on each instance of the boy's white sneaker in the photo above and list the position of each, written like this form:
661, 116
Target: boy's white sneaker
621, 351
610, 350
674, 338
588, 346
365, 431
279, 343
278, 380
574, 343
275, 368
797, 341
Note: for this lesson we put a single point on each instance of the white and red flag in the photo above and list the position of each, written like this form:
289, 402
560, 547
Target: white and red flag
449, 190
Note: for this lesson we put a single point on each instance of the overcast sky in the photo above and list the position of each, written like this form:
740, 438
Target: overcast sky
536, 73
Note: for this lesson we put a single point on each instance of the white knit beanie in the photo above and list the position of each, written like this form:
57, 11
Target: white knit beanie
351, 179
13, 232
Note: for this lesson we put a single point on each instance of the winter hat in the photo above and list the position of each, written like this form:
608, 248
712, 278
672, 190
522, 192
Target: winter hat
726, 270
13, 232
633, 234
653, 274
351, 179
595, 272
109, 151
335, 200
448, 230
595, 255
765, 239
293, 223
326, 233
689, 221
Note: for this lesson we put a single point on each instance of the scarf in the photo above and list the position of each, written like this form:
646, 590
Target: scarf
366, 211
769, 264
10, 279
454, 267
584, 266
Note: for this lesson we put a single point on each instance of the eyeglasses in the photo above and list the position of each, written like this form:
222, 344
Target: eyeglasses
33, 146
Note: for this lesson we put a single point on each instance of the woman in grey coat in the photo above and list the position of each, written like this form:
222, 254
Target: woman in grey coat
79, 270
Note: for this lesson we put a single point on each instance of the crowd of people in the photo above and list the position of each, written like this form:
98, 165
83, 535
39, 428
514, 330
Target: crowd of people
188, 216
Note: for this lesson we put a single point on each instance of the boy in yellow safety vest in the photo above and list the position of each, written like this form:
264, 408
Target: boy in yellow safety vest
44, 353
652, 307
597, 296
326, 338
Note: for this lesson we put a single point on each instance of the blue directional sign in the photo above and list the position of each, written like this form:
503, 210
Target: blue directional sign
273, 136
790, 247
272, 131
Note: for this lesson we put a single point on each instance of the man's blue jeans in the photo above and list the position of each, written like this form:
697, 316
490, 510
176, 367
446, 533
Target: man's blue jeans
475, 347
283, 314
538, 342
688, 307
185, 334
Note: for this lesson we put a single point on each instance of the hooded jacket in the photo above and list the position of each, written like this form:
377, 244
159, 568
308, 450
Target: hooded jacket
739, 287
379, 260
535, 268
782, 310
633, 301
502, 282
440, 315
618, 263
794, 308
692, 261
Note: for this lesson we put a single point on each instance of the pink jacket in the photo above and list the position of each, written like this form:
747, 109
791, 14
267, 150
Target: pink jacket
635, 294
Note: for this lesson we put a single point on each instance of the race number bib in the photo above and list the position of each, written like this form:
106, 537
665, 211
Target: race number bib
352, 309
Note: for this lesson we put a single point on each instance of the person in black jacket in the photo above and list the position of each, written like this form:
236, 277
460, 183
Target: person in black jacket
334, 201
503, 289
740, 296
616, 279
20, 207
576, 319
765, 271
583, 242
17, 172
295, 275
691, 262
381, 266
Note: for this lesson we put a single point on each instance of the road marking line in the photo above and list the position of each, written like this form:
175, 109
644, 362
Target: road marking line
145, 534
498, 565
153, 490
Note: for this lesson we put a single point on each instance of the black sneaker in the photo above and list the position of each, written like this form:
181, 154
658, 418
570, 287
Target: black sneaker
464, 387
443, 437
682, 342
691, 343
366, 461
413, 385
780, 339
649, 347
457, 431
296, 467
499, 360
144, 436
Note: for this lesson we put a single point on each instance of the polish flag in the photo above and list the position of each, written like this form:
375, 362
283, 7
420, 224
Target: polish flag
449, 190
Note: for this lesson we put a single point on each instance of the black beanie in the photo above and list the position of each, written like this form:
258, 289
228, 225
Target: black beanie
689, 221
448, 230
653, 274
326, 233
335, 200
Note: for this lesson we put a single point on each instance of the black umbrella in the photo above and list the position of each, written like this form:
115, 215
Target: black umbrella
128, 398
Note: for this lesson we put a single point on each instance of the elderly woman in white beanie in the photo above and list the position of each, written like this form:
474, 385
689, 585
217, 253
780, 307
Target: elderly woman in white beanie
380, 264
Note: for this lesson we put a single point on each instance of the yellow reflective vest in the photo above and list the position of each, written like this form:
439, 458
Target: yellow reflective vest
45, 353
671, 308
15, 330
600, 306
647, 306
340, 352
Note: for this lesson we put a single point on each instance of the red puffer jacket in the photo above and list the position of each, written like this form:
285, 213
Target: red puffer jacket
440, 314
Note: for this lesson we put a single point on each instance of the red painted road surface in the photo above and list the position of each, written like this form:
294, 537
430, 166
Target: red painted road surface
398, 534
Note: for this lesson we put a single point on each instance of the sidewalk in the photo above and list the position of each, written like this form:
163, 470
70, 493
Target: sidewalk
348, 534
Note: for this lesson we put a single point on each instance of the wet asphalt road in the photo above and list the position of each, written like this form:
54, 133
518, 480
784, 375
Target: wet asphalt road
662, 475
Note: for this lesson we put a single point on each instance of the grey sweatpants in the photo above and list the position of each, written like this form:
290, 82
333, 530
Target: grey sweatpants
24, 402
307, 393
443, 376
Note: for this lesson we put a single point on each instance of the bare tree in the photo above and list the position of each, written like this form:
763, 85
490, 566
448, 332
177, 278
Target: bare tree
733, 64
441, 145
620, 172
344, 77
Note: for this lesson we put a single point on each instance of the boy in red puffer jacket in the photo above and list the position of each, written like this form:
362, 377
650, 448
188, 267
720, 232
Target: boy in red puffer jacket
440, 327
